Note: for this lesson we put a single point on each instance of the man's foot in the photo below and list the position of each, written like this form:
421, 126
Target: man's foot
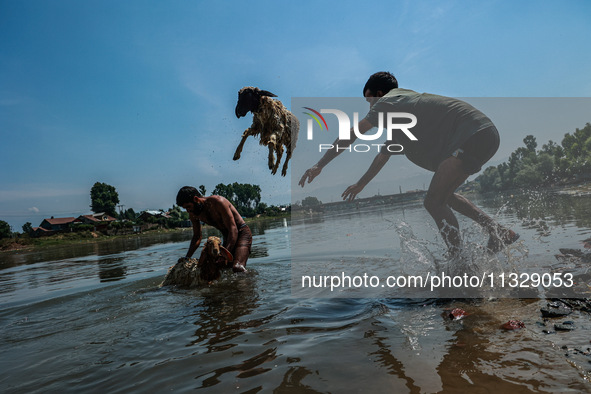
497, 242
238, 268
453, 253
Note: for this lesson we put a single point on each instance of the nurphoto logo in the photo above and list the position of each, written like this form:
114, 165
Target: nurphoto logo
392, 120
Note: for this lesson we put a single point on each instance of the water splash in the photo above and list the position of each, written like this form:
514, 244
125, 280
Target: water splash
416, 256
420, 255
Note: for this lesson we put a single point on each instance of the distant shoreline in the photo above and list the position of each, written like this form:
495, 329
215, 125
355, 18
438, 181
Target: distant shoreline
27, 244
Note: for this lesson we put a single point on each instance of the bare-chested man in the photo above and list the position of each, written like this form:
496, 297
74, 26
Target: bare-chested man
221, 214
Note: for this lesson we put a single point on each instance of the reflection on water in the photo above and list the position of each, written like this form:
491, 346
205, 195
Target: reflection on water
97, 321
542, 210
112, 269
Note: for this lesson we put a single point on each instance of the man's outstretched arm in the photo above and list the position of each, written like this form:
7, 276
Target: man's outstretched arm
378, 163
196, 240
333, 152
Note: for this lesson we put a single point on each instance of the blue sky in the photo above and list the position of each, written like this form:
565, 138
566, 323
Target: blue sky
141, 94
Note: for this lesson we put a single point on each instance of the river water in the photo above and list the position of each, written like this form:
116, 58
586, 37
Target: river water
92, 318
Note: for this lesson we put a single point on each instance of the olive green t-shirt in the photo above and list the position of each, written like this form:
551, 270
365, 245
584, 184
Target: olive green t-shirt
443, 124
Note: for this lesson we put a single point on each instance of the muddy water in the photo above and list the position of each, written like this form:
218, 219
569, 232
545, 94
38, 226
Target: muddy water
94, 320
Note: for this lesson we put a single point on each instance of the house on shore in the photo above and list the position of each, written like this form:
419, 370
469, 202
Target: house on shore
57, 224
53, 225
41, 232
95, 218
145, 215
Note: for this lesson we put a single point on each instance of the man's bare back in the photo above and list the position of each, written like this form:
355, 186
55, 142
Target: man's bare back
217, 210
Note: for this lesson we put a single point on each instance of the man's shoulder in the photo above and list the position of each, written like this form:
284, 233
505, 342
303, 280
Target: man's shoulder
218, 200
401, 96
400, 92
215, 198
398, 95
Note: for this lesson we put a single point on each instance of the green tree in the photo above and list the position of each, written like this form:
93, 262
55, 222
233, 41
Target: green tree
202, 190
27, 228
261, 208
527, 167
530, 143
490, 180
225, 191
4, 229
177, 216
104, 198
129, 214
310, 202
245, 197
528, 176
545, 165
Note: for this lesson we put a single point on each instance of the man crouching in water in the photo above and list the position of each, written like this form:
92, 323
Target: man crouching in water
221, 214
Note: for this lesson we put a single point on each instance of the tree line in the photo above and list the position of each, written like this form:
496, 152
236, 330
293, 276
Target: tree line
553, 164
105, 199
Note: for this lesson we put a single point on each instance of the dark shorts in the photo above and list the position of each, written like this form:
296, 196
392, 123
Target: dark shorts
244, 237
243, 245
478, 149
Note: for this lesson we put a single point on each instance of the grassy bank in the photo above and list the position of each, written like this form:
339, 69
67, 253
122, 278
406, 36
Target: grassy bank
24, 242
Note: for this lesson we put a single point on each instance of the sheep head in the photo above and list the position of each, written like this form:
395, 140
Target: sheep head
212, 259
213, 249
249, 100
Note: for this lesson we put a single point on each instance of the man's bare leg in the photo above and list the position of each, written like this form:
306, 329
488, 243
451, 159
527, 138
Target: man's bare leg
242, 249
464, 206
448, 177
498, 235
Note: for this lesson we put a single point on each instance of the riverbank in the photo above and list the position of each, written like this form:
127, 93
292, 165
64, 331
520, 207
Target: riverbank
26, 243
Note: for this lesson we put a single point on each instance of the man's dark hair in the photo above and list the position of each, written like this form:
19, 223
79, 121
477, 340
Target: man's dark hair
383, 81
186, 195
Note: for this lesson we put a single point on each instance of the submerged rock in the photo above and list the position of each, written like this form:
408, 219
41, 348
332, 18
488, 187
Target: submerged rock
579, 304
565, 326
574, 255
556, 309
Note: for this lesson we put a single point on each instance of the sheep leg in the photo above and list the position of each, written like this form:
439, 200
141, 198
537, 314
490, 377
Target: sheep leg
271, 157
287, 157
279, 154
241, 144
271, 144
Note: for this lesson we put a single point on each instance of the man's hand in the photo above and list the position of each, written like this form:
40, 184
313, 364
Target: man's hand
310, 174
352, 191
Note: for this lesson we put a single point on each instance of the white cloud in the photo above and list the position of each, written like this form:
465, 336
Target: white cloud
34, 209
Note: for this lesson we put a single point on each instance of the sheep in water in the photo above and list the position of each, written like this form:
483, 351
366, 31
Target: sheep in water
272, 121
192, 272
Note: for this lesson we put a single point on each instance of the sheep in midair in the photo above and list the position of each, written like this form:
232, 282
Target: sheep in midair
272, 121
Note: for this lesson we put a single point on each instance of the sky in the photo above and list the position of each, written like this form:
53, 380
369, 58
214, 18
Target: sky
141, 94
